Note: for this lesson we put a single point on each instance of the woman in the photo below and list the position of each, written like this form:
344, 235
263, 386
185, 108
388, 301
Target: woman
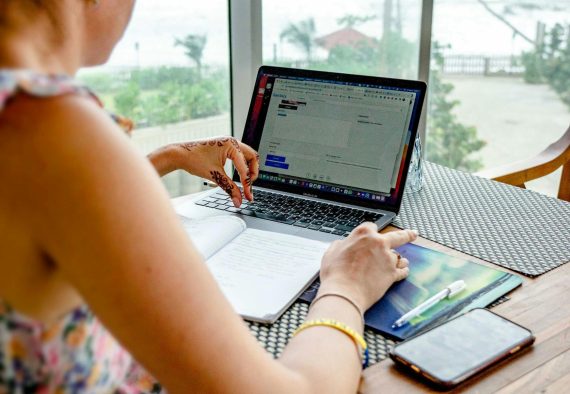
91, 249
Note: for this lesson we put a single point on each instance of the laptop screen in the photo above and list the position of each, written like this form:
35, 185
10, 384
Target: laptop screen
334, 136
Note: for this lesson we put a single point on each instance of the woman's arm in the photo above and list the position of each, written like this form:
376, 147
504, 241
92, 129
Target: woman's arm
165, 159
99, 212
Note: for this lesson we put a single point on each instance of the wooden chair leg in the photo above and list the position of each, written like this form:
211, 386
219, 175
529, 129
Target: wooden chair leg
564, 190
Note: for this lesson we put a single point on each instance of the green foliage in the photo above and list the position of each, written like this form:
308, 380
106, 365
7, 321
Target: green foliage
449, 142
532, 68
302, 35
164, 106
360, 58
176, 103
396, 56
103, 82
390, 58
154, 77
127, 100
550, 62
162, 95
379, 57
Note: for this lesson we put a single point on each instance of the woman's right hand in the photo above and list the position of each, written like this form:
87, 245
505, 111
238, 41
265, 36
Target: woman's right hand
364, 265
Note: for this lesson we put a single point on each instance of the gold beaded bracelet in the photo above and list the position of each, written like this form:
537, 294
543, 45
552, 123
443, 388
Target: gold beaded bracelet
356, 337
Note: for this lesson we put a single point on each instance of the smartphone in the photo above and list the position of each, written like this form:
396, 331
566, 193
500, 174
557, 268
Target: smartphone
454, 351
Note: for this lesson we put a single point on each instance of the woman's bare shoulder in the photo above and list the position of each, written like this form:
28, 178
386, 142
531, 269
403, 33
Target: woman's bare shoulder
50, 145
32, 119
38, 133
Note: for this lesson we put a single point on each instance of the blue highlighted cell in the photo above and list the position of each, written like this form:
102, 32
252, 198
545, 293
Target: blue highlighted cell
280, 159
277, 164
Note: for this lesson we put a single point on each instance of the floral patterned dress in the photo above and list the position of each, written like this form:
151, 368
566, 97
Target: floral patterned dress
77, 354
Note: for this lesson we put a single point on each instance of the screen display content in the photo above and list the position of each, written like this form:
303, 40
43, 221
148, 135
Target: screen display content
332, 136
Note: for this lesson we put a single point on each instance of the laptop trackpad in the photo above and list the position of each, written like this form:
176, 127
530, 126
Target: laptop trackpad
268, 225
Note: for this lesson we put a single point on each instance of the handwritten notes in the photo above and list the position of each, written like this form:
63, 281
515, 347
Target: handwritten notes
262, 272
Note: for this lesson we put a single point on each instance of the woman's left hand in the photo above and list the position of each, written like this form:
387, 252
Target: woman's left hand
206, 159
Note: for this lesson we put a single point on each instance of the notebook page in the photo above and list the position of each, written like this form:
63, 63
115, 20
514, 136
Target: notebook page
262, 272
210, 234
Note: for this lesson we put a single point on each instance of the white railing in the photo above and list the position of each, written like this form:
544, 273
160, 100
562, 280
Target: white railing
151, 138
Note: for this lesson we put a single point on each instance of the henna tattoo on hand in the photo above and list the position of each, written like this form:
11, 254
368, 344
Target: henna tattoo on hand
235, 143
231, 140
189, 146
222, 181
222, 141
248, 178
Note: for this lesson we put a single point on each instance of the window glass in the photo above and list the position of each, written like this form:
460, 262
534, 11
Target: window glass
378, 37
499, 90
170, 74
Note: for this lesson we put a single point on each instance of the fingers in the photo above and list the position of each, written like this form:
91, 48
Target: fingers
236, 156
224, 182
252, 160
366, 227
394, 239
402, 273
402, 263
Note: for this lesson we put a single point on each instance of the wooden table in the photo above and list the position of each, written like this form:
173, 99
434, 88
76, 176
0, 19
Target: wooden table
543, 306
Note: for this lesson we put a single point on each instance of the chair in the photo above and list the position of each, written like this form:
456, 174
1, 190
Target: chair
549, 160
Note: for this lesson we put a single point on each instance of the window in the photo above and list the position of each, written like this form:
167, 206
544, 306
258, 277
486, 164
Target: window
497, 93
170, 74
493, 96
368, 37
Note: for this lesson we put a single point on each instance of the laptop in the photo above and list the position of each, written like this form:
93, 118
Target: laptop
334, 152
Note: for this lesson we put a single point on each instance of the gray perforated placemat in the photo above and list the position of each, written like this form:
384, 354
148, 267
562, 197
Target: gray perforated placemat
274, 337
505, 225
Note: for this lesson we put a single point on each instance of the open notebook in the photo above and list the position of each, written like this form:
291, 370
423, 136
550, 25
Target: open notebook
260, 272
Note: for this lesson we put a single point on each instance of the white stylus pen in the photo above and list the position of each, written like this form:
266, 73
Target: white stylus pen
448, 292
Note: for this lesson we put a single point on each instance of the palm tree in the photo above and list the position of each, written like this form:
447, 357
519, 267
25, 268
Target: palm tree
301, 35
193, 45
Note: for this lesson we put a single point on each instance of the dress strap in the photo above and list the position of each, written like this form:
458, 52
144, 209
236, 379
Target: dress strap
13, 82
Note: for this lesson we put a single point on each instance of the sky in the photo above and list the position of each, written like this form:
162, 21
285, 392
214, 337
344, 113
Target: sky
463, 24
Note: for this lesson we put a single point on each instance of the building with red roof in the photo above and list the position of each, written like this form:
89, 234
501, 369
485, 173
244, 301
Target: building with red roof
344, 37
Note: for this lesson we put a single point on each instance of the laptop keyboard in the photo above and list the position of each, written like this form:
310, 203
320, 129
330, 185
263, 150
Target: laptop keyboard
313, 215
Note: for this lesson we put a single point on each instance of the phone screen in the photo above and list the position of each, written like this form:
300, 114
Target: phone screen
461, 345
